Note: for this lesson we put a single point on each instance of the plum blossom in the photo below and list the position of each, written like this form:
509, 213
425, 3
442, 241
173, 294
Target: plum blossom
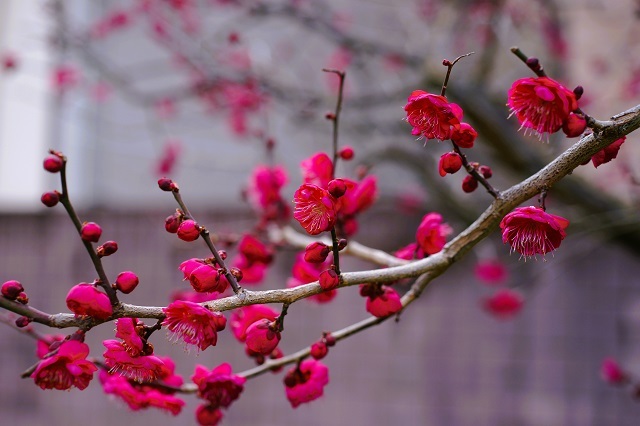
220, 387
541, 104
306, 382
193, 323
504, 304
315, 209
66, 368
531, 230
431, 116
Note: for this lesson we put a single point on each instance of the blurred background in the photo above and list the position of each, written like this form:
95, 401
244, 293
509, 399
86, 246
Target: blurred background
131, 91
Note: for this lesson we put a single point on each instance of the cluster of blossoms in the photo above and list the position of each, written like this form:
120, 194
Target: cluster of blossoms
322, 202
257, 328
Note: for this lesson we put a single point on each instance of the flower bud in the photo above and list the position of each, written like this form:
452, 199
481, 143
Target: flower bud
188, 230
23, 322
485, 171
316, 252
464, 136
469, 184
578, 91
329, 339
337, 188
11, 289
261, 337
167, 184
50, 199
172, 223
90, 232
107, 248
574, 125
534, 64
126, 282
53, 164
450, 162
85, 299
319, 350
342, 243
237, 273
346, 153
22, 298
329, 279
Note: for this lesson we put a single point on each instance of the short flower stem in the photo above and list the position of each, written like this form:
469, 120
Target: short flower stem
542, 198
524, 58
204, 233
334, 249
97, 263
150, 330
449, 66
280, 319
473, 172
336, 116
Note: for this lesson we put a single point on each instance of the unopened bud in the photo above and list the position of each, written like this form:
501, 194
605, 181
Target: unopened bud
23, 322
319, 350
53, 164
346, 153
342, 243
450, 162
107, 249
237, 273
188, 230
337, 187
22, 298
316, 252
578, 91
126, 282
11, 289
167, 184
329, 339
329, 279
469, 184
172, 223
485, 171
50, 199
90, 232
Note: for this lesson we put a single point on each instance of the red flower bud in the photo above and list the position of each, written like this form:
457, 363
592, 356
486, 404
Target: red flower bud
53, 164
172, 223
188, 230
469, 184
91, 232
85, 299
329, 339
329, 279
464, 136
22, 298
574, 125
337, 188
11, 289
450, 162
23, 322
316, 252
167, 184
319, 350
237, 273
485, 171
107, 249
50, 199
346, 153
261, 337
126, 282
